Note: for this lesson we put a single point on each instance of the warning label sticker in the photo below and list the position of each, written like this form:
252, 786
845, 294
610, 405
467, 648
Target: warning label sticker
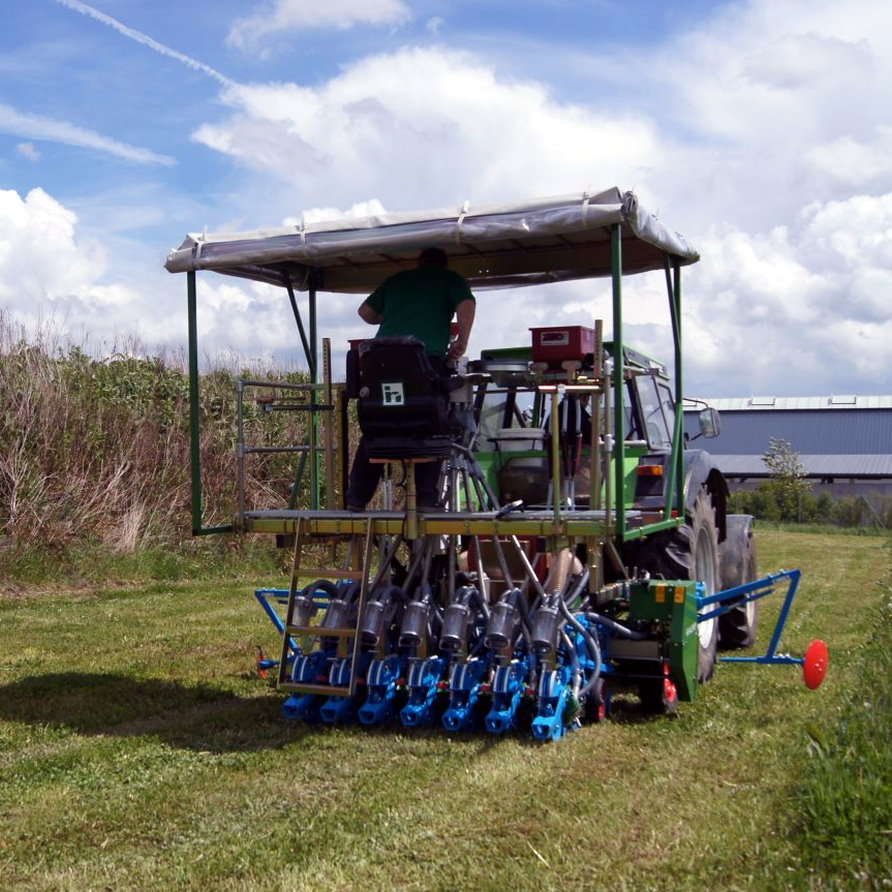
392, 393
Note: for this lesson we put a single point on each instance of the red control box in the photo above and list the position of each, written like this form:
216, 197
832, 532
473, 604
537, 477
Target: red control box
568, 342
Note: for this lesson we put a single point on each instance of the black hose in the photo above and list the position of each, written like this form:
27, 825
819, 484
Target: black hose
390, 593
581, 582
614, 626
525, 632
477, 595
351, 595
324, 585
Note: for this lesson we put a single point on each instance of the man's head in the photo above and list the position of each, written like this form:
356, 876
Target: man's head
433, 257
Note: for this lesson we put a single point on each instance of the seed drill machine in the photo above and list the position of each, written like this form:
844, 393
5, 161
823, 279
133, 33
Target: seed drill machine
581, 548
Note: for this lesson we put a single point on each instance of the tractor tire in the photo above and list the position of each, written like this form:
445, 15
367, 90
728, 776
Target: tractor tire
737, 627
690, 552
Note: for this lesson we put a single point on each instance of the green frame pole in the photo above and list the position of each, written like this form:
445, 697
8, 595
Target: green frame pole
676, 476
308, 352
311, 353
315, 457
676, 482
198, 529
619, 416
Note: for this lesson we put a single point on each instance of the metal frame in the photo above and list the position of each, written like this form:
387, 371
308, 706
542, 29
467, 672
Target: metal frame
753, 591
560, 524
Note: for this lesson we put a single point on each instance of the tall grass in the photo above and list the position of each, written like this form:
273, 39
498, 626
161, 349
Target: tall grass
94, 451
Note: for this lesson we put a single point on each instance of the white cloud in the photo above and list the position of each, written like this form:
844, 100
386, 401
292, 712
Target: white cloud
422, 126
41, 128
792, 281
357, 211
781, 103
763, 134
289, 15
27, 150
50, 275
54, 279
854, 162
805, 61
40, 259
806, 306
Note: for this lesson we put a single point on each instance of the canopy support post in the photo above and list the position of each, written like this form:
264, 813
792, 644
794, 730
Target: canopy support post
619, 375
675, 483
195, 415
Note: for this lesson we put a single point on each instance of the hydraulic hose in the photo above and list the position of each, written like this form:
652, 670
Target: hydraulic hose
590, 640
524, 609
581, 583
477, 595
391, 593
574, 663
614, 626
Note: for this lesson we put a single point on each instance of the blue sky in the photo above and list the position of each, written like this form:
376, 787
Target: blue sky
760, 129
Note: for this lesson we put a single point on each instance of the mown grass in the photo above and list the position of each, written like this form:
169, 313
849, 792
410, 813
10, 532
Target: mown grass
846, 793
139, 750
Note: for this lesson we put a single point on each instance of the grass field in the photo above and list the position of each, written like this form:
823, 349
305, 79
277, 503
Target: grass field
139, 750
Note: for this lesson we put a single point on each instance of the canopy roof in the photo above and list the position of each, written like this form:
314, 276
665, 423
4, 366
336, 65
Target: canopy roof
542, 240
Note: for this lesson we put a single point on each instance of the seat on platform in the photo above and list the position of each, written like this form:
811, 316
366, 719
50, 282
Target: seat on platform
403, 405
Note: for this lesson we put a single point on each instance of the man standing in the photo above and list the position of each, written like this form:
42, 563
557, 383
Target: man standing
418, 302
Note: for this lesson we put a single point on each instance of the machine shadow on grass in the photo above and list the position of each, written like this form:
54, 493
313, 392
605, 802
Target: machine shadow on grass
195, 717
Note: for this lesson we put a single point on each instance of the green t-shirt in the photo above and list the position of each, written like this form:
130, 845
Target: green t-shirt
420, 302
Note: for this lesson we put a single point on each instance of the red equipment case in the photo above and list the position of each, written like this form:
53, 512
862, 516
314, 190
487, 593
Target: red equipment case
566, 342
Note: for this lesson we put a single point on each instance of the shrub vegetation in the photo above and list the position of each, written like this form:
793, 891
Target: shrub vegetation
95, 453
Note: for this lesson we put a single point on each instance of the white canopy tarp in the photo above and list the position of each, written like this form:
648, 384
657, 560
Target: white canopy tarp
542, 240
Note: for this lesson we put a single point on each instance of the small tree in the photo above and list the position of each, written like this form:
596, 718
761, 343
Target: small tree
788, 479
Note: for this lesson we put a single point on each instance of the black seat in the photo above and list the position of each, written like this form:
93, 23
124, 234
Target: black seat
403, 405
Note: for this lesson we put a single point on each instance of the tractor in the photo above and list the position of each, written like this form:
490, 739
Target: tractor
583, 548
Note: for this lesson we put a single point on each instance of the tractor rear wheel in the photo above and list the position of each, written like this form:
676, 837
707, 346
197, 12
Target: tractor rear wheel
704, 567
737, 627
690, 552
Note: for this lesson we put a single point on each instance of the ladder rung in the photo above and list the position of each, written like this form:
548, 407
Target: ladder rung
331, 690
334, 574
319, 632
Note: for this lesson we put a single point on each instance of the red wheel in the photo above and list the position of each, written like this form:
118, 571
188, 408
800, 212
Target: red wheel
670, 696
596, 703
659, 696
815, 665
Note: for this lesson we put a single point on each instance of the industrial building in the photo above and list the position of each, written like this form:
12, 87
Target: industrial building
843, 442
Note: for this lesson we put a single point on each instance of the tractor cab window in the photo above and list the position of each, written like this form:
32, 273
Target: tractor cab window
656, 411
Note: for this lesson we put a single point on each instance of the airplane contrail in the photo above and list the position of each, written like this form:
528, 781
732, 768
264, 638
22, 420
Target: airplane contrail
39, 127
145, 40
